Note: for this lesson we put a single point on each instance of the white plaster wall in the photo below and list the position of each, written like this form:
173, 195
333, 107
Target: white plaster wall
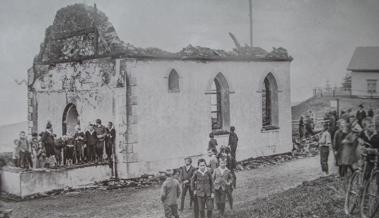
91, 86
168, 126
10, 182
359, 83
51, 106
175, 125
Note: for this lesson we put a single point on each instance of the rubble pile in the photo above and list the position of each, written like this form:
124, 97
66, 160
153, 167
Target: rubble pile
198, 51
316, 198
279, 53
141, 182
307, 145
248, 51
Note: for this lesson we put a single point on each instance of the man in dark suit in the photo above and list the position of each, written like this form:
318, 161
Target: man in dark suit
91, 141
110, 140
186, 173
233, 141
101, 133
48, 140
361, 114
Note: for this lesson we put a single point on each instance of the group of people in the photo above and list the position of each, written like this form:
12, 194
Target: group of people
352, 132
307, 124
95, 145
211, 183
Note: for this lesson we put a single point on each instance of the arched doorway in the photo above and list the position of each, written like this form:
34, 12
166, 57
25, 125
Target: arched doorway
70, 119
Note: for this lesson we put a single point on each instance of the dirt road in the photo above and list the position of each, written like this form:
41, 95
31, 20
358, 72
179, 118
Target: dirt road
145, 203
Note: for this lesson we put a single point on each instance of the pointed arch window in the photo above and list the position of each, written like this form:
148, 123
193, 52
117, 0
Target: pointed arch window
173, 81
270, 107
220, 114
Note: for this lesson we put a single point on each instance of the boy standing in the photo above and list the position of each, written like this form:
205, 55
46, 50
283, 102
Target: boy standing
212, 142
222, 181
202, 184
169, 194
24, 148
325, 145
230, 165
213, 161
186, 173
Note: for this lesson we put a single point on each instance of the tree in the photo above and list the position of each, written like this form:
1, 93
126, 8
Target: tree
346, 84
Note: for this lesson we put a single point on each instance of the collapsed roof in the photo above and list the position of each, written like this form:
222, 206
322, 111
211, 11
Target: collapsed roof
82, 32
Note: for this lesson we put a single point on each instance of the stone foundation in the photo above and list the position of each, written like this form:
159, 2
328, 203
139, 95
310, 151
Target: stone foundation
24, 183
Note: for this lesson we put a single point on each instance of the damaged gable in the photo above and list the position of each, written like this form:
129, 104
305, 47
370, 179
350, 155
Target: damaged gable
78, 31
81, 32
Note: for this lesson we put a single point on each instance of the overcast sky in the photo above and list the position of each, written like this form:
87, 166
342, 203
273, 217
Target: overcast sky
320, 34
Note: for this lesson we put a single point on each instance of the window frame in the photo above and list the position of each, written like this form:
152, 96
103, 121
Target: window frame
173, 80
270, 103
219, 116
371, 86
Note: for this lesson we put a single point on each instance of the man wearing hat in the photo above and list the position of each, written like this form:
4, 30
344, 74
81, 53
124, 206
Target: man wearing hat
101, 133
79, 141
361, 114
48, 141
186, 173
233, 141
91, 142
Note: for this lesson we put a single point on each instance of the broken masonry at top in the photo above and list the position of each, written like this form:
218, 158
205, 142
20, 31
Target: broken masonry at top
82, 32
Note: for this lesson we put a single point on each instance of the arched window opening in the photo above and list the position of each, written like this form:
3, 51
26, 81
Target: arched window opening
220, 114
270, 109
216, 115
70, 119
173, 81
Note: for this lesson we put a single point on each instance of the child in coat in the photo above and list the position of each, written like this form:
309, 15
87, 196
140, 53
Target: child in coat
24, 148
212, 144
230, 165
170, 193
213, 161
223, 179
202, 184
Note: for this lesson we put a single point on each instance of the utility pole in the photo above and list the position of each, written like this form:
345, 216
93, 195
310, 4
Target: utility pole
251, 21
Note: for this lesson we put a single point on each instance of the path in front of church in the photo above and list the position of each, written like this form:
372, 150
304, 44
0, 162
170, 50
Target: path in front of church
145, 203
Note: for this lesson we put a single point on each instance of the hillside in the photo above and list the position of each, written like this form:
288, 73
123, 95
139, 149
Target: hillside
320, 105
8, 133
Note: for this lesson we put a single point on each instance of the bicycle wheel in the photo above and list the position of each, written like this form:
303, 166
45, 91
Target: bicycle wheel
353, 193
370, 198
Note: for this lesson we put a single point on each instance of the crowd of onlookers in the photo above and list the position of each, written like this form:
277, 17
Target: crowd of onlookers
345, 136
210, 183
95, 145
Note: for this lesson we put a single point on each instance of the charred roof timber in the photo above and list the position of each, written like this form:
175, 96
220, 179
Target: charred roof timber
81, 32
